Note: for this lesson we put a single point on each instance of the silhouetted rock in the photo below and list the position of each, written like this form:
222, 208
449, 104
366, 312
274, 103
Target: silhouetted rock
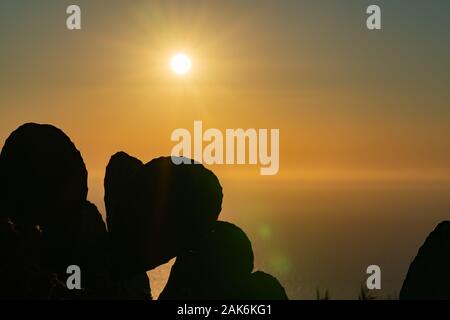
129, 283
20, 274
163, 209
43, 179
120, 171
39, 263
220, 268
155, 211
263, 286
428, 275
132, 287
90, 252
47, 224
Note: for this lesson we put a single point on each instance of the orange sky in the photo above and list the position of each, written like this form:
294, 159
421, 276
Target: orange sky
364, 109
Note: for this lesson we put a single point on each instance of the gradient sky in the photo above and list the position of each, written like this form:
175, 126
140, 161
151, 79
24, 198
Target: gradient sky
352, 106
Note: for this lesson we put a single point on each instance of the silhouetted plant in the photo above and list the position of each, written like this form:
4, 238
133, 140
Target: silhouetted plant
319, 296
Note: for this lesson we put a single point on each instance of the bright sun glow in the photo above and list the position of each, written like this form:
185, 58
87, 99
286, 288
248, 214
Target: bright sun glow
180, 64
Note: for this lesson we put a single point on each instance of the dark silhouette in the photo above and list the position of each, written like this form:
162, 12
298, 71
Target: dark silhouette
220, 268
263, 286
47, 223
429, 274
129, 283
119, 174
43, 179
162, 210
155, 212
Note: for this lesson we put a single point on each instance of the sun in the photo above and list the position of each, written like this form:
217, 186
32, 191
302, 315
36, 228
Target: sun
180, 64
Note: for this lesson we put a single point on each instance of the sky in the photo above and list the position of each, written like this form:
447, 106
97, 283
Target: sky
363, 115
